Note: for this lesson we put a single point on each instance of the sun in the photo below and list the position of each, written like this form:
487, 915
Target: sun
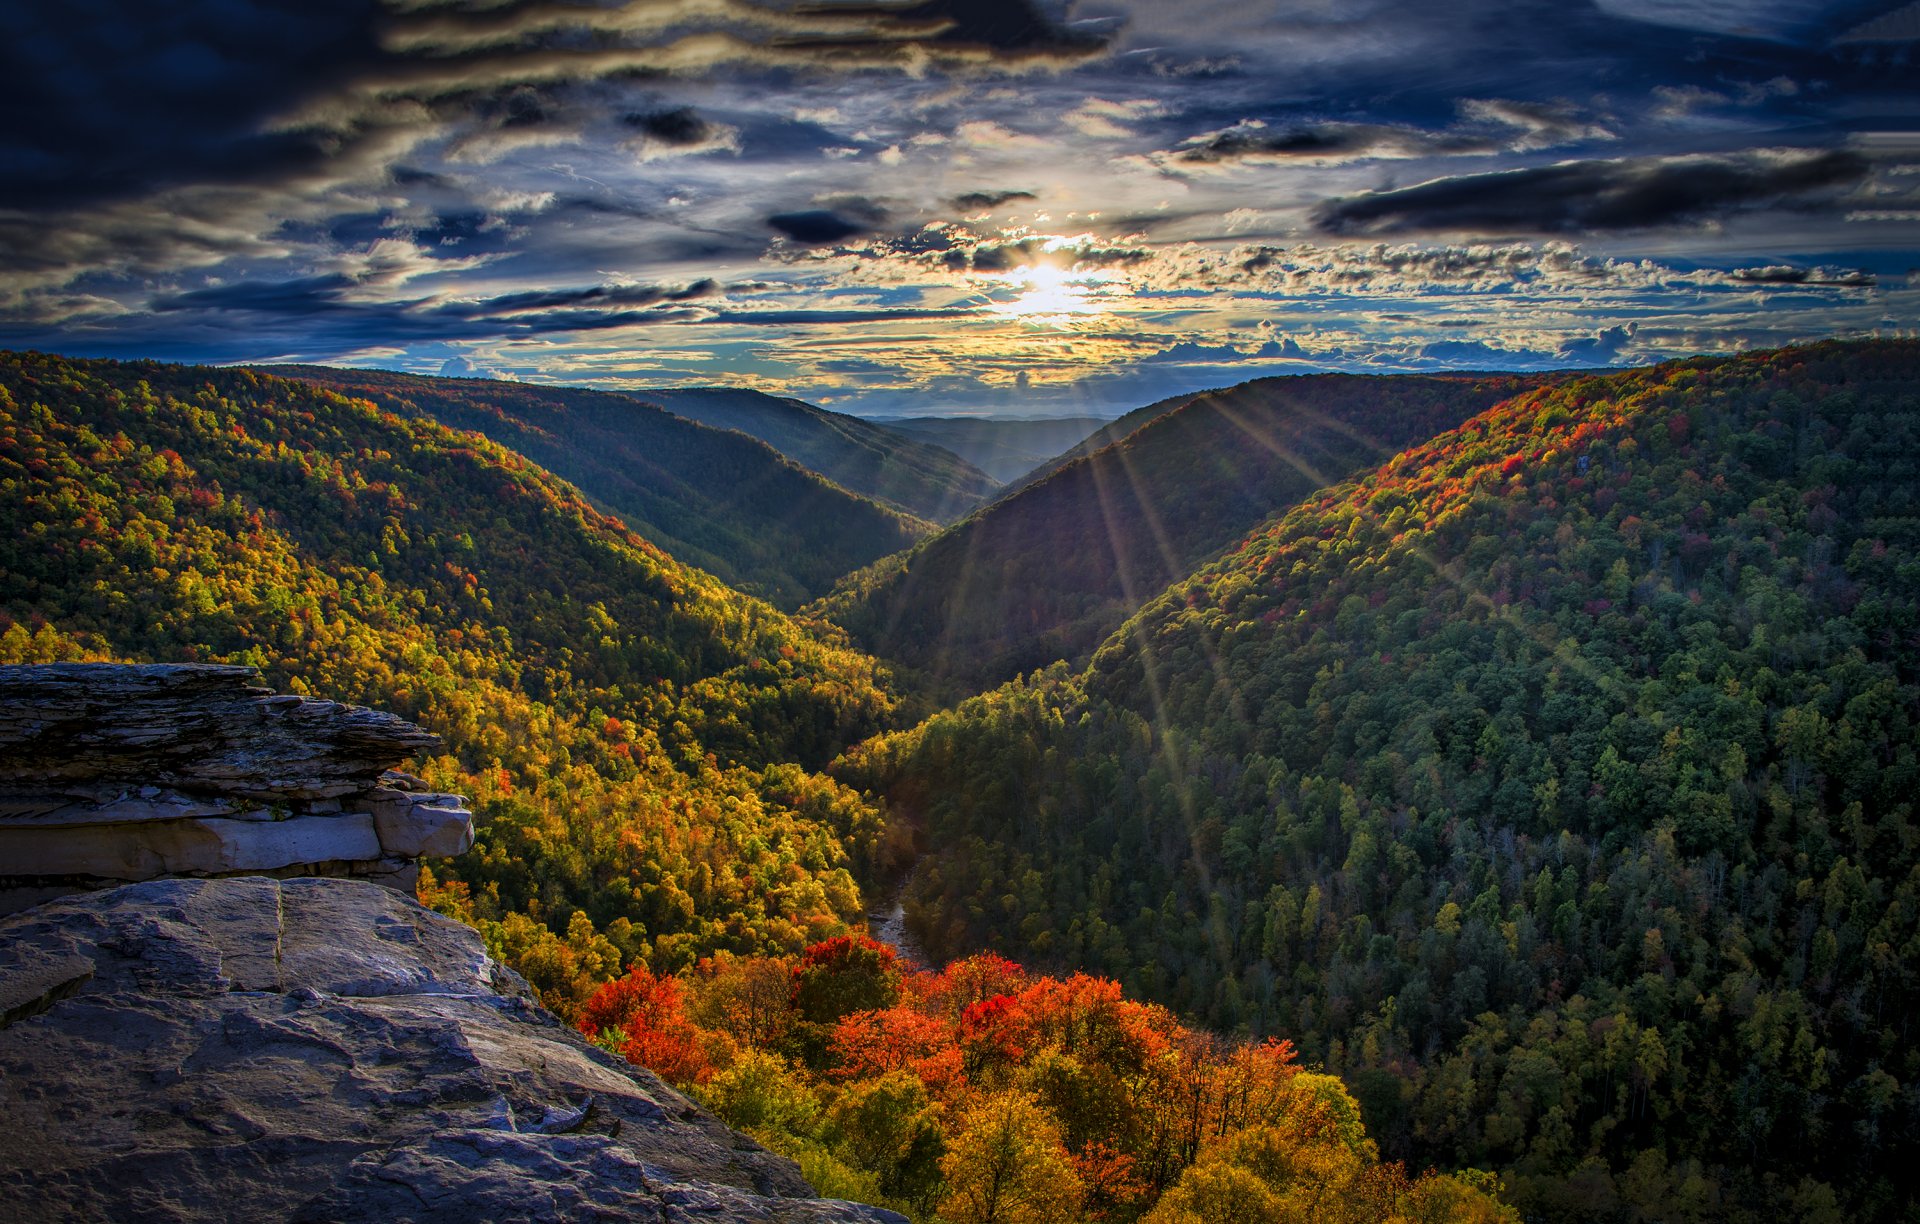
1052, 295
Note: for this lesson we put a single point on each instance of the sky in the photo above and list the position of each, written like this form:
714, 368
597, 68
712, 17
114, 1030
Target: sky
1003, 207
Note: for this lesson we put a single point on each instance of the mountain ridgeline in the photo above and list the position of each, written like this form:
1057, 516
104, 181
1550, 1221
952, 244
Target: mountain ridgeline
637, 738
914, 476
1552, 783
731, 504
1049, 572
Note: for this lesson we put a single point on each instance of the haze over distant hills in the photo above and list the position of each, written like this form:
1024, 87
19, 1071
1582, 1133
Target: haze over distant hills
885, 464
1106, 435
1049, 571
1005, 448
715, 498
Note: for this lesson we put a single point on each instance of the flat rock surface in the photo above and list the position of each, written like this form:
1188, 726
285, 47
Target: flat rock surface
328, 1050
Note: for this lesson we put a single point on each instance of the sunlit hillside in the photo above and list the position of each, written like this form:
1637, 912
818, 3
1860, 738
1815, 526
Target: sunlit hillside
637, 737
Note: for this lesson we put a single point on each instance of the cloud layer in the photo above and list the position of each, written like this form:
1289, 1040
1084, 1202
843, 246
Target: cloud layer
1007, 204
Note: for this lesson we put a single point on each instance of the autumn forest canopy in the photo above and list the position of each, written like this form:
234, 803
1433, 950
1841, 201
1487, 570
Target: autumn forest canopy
1417, 798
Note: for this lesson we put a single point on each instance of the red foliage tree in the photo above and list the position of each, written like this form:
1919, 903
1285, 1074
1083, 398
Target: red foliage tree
657, 1034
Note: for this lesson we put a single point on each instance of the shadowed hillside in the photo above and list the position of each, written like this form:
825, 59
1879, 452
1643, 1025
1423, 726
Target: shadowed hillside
887, 465
1106, 435
1005, 449
1553, 783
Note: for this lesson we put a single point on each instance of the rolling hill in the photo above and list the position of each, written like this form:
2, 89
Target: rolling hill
1553, 783
714, 498
889, 466
1048, 572
1005, 449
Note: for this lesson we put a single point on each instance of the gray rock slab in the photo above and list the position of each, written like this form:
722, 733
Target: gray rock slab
212, 846
248, 1049
202, 728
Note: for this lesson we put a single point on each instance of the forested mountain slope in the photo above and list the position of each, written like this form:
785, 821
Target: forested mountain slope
909, 473
1049, 572
1005, 449
1106, 435
729, 504
1554, 784
635, 736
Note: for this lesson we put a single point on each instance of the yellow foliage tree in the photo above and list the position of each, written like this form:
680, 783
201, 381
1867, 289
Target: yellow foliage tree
1312, 1162
1008, 1166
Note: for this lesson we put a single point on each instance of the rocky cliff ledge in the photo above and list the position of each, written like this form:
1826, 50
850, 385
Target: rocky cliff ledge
112, 773
328, 1050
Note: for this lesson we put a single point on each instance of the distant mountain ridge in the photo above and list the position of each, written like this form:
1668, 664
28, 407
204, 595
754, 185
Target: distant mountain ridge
1005, 448
715, 498
1106, 435
1052, 569
888, 465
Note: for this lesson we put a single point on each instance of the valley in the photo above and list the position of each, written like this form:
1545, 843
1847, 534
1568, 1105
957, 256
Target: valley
960, 612
1531, 755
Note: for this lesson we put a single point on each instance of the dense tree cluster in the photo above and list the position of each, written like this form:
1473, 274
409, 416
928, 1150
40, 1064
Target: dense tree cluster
1050, 571
636, 737
711, 497
983, 1094
1552, 784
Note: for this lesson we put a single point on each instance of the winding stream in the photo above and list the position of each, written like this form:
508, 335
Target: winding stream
888, 924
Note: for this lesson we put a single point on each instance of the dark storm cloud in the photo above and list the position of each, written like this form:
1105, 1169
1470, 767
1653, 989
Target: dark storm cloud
1596, 195
1472, 127
1000, 29
681, 126
842, 217
796, 317
1334, 140
304, 295
815, 226
327, 304
112, 99
600, 295
977, 201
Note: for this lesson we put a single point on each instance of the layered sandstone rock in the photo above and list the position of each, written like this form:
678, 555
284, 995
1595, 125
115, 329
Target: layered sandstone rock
112, 773
325, 1050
